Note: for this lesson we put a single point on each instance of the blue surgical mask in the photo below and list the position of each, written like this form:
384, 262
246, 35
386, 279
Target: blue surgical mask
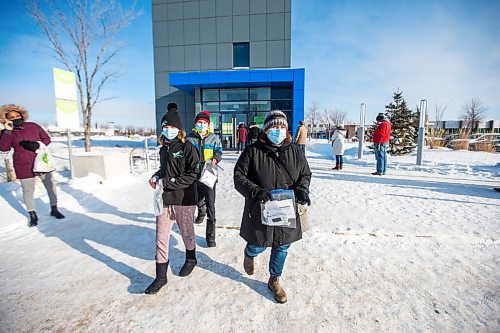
277, 135
170, 133
201, 126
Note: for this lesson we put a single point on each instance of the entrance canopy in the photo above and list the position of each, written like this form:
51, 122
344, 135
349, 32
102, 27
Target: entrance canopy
246, 78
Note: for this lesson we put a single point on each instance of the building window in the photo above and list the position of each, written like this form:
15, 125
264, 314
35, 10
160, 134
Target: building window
241, 55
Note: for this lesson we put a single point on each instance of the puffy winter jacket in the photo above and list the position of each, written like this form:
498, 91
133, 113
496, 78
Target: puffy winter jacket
382, 133
253, 133
242, 134
256, 169
179, 171
208, 147
23, 159
338, 142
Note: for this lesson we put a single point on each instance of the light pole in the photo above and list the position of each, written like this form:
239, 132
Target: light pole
421, 131
361, 130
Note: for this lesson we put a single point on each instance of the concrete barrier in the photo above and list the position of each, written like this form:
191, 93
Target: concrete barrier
106, 165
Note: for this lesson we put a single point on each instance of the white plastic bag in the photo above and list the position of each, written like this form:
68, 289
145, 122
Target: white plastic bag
44, 161
158, 199
280, 210
209, 174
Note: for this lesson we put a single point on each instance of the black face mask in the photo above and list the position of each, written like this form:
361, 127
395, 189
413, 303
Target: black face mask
17, 122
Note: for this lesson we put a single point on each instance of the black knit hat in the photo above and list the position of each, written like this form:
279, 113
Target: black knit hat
205, 115
171, 118
275, 117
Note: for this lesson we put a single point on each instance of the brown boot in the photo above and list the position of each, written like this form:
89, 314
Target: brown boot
248, 264
279, 294
336, 166
341, 164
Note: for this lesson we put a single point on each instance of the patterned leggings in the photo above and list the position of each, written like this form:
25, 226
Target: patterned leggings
184, 216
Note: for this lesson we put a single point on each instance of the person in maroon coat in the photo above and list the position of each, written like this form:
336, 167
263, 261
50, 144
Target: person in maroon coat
241, 135
23, 136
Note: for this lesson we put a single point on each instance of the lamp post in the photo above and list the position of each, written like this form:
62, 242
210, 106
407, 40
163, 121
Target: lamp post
421, 131
361, 130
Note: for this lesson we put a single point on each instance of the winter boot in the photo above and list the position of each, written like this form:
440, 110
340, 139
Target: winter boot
161, 279
336, 166
341, 164
33, 219
56, 213
210, 236
274, 285
202, 212
248, 264
189, 264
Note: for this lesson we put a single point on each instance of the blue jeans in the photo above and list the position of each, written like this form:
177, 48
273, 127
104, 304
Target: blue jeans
303, 147
381, 156
339, 159
277, 259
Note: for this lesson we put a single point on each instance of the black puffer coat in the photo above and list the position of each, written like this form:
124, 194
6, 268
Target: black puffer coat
256, 170
179, 171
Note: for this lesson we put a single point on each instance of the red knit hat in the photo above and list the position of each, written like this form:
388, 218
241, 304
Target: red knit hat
205, 115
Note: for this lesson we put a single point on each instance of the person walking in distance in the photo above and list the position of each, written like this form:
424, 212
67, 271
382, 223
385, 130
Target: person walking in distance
380, 139
301, 136
270, 164
241, 136
178, 174
24, 137
338, 143
209, 151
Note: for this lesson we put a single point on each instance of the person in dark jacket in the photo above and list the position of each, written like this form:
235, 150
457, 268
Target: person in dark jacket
241, 136
270, 164
24, 136
210, 151
253, 133
178, 173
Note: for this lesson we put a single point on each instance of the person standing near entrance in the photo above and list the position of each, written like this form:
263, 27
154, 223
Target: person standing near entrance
177, 175
209, 151
380, 139
253, 133
24, 138
301, 137
270, 164
241, 136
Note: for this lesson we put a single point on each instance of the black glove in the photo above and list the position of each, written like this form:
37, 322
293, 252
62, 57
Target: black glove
302, 197
263, 196
30, 145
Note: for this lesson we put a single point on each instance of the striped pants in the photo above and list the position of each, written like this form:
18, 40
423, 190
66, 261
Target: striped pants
184, 216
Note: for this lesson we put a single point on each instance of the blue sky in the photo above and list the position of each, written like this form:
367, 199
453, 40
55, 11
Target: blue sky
354, 51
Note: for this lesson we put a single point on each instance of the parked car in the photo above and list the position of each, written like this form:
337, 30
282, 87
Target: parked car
480, 142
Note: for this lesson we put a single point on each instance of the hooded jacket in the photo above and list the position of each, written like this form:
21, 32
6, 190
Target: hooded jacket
23, 159
338, 142
208, 147
256, 169
382, 133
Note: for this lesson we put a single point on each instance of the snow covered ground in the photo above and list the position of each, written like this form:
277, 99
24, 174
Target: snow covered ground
415, 250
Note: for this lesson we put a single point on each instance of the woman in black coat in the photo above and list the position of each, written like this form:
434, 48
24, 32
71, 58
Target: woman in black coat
178, 173
270, 164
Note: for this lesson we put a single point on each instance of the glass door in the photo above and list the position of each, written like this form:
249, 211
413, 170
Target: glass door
230, 123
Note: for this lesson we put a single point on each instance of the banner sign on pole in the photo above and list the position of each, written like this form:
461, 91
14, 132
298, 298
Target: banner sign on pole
66, 99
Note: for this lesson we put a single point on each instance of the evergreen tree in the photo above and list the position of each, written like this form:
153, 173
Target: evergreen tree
402, 123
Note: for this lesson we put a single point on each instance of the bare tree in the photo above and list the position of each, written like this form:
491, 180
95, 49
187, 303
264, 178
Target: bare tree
473, 113
436, 132
82, 35
325, 119
337, 117
312, 116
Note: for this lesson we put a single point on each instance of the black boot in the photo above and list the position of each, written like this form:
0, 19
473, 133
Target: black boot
210, 236
189, 264
56, 213
33, 219
161, 279
202, 212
